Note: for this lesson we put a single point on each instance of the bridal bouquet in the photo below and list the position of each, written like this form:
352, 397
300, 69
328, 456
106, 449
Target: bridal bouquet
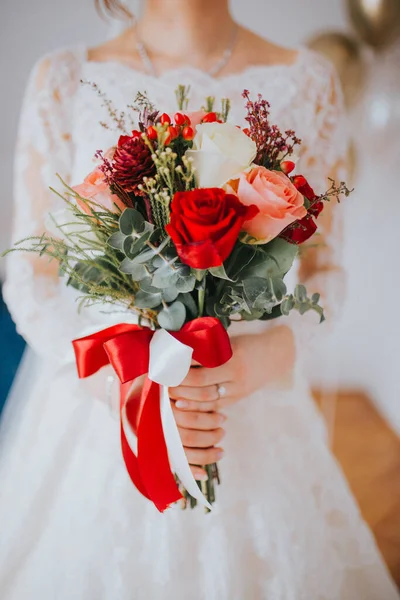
188, 222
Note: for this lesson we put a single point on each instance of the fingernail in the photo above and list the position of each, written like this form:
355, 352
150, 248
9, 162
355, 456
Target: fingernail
223, 418
220, 453
181, 404
201, 477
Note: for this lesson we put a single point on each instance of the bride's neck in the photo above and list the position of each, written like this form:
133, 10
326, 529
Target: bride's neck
193, 29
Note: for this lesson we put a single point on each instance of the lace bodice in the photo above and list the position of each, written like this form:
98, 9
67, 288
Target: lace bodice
64, 122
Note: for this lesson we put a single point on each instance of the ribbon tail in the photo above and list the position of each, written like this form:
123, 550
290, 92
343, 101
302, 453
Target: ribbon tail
129, 456
132, 465
153, 460
177, 457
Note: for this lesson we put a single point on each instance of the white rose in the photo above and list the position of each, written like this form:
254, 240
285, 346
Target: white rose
220, 152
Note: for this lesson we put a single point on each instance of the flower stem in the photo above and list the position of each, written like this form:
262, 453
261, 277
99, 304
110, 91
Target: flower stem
201, 296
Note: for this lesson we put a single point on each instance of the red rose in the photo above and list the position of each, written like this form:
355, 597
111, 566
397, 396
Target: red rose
205, 224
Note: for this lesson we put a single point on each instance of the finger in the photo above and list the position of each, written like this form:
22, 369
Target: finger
200, 394
193, 438
202, 377
186, 403
199, 474
203, 407
198, 420
206, 456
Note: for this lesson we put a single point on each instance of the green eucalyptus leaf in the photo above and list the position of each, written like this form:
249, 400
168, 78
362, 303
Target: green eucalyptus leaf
274, 314
167, 253
287, 305
138, 272
132, 246
265, 302
185, 284
116, 240
222, 310
300, 293
169, 294
146, 286
131, 221
165, 276
241, 256
144, 257
303, 308
279, 288
172, 317
271, 260
315, 298
253, 316
219, 272
147, 300
190, 304
253, 288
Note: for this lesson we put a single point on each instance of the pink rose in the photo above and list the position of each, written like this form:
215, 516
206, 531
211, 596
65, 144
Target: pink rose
277, 199
196, 117
95, 188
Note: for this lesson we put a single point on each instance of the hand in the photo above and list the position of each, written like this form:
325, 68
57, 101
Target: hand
257, 360
200, 433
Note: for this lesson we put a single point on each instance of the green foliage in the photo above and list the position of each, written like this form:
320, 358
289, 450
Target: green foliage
172, 317
121, 258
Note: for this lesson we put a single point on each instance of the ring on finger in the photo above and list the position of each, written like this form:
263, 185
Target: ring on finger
221, 391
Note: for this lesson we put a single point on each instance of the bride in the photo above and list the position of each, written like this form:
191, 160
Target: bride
285, 526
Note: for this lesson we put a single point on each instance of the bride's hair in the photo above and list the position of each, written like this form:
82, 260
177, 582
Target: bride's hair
112, 8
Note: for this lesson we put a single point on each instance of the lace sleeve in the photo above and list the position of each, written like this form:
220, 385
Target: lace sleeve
44, 313
323, 156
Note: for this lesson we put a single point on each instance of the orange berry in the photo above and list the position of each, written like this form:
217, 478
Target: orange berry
287, 166
173, 131
210, 117
152, 133
188, 133
181, 120
165, 119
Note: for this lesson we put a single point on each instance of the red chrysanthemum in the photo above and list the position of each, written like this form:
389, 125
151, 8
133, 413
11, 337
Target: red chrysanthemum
131, 162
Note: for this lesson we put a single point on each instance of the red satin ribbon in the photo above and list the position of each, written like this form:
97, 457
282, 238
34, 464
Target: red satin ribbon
127, 349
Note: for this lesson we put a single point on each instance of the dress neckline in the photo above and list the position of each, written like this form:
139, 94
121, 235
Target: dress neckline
185, 71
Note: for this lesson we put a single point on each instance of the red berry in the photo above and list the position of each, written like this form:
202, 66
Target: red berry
299, 181
180, 119
168, 139
152, 133
287, 166
173, 131
188, 133
210, 117
165, 119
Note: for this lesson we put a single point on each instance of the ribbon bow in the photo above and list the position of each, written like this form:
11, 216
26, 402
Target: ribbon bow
166, 359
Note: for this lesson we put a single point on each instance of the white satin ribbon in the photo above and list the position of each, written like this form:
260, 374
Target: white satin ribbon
169, 364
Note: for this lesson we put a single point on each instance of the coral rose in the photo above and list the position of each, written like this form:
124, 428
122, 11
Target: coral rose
95, 188
278, 201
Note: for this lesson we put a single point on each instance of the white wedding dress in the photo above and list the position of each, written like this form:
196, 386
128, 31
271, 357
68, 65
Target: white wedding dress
285, 526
